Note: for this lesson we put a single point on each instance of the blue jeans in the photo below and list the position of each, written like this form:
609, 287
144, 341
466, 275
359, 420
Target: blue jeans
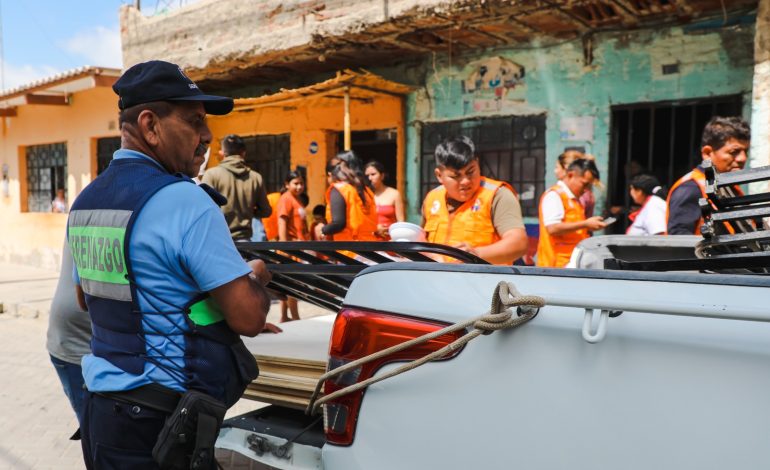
71, 377
258, 230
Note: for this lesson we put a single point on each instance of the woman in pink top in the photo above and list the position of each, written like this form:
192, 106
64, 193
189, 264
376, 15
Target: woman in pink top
390, 205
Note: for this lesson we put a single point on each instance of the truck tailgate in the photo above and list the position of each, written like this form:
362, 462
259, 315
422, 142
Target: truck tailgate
660, 391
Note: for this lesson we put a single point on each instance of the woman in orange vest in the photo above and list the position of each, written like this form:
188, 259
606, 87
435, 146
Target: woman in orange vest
563, 223
350, 208
271, 223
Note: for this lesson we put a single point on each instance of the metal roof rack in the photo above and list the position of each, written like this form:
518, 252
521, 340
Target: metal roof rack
736, 238
321, 272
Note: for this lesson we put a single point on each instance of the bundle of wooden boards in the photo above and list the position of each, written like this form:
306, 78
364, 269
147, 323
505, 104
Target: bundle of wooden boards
291, 362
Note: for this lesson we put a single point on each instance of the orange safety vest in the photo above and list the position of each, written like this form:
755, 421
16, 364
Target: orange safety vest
470, 223
700, 178
271, 223
554, 251
361, 220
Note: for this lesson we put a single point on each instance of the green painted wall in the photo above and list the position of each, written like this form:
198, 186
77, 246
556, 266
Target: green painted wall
626, 68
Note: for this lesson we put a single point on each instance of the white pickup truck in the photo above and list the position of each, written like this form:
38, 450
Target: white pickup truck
621, 369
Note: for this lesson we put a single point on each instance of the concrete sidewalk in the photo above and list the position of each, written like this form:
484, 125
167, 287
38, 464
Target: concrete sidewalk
35, 417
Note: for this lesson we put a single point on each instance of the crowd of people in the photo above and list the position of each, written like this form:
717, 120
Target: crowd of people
468, 210
149, 328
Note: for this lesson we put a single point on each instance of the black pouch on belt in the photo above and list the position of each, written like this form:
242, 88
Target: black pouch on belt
187, 439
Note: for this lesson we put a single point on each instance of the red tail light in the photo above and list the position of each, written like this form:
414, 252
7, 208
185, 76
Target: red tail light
357, 334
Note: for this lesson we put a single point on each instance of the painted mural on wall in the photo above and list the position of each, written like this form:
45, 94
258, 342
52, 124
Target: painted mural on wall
494, 84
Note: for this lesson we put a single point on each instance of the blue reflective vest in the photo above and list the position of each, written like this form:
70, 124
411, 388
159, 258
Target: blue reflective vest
212, 359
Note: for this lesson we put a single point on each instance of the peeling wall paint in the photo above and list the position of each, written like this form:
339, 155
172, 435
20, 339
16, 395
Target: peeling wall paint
626, 68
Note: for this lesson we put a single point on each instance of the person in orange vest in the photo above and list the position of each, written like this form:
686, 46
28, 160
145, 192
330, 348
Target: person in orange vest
725, 141
471, 212
271, 223
350, 208
563, 223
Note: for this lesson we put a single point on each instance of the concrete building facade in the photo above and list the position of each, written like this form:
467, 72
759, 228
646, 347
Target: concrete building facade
632, 83
54, 134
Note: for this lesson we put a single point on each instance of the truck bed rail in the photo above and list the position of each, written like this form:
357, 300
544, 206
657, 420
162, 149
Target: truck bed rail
321, 272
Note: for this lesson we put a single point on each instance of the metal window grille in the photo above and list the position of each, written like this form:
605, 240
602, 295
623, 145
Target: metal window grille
46, 172
270, 156
105, 147
662, 139
510, 149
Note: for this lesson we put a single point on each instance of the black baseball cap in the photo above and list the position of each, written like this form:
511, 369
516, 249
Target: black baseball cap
157, 80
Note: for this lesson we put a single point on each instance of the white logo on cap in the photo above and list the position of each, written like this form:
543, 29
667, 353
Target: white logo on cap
192, 84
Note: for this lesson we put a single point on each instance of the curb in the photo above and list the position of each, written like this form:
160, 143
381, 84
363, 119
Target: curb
24, 310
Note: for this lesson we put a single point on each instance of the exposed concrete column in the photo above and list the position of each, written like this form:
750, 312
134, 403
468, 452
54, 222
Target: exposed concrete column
760, 106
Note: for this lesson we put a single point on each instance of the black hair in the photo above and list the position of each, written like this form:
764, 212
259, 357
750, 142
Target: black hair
304, 199
319, 210
376, 165
721, 129
350, 170
584, 165
648, 185
455, 153
232, 144
130, 115
292, 175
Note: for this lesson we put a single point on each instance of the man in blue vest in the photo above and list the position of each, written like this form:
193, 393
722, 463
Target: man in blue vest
167, 292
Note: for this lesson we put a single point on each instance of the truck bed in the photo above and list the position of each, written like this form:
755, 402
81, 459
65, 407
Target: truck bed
680, 381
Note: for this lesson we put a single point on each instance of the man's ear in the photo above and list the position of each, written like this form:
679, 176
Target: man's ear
706, 152
148, 122
437, 172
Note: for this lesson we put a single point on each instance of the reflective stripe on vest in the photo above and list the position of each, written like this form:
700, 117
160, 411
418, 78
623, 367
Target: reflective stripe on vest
470, 223
554, 251
96, 240
360, 218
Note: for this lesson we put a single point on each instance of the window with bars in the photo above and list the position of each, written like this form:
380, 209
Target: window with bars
270, 156
510, 149
46, 172
662, 139
105, 147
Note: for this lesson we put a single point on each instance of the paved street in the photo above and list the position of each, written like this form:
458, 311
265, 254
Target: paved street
35, 417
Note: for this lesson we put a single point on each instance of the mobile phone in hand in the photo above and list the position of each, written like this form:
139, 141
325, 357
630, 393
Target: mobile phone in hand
609, 220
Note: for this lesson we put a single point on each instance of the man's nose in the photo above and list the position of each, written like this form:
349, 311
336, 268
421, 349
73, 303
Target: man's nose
741, 159
206, 136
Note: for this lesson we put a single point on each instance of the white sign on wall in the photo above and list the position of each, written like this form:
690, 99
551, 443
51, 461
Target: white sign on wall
577, 128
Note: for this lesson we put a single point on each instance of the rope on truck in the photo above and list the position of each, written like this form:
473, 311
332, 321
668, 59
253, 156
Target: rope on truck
499, 317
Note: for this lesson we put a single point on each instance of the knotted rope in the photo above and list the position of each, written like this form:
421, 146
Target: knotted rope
499, 317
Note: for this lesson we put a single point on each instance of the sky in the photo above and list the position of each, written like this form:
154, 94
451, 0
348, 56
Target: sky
41, 38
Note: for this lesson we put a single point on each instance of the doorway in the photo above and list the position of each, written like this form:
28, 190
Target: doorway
662, 139
379, 145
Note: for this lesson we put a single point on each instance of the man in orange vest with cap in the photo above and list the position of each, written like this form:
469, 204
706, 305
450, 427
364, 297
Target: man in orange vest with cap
469, 211
725, 142
563, 222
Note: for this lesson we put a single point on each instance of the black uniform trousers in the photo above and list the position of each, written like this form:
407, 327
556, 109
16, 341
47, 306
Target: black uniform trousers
119, 435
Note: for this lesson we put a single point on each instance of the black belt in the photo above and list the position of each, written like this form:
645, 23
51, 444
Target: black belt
152, 396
